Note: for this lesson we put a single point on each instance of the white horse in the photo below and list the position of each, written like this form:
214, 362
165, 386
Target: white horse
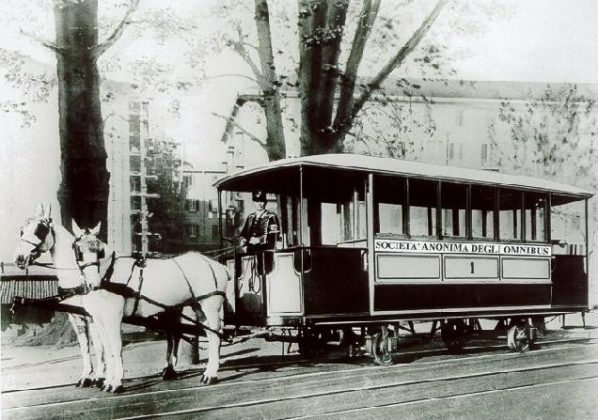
39, 235
151, 287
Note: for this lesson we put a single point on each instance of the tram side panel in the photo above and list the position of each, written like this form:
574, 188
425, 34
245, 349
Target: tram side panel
419, 280
570, 282
335, 281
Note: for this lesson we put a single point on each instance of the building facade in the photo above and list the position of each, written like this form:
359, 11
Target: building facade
455, 123
139, 163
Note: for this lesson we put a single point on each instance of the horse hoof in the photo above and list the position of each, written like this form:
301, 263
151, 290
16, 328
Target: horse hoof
99, 383
168, 374
84, 383
209, 380
107, 388
118, 390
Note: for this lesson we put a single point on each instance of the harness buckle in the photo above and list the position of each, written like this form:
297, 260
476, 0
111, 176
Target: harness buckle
140, 262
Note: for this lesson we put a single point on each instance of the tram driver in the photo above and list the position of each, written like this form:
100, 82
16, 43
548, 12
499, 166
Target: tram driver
261, 229
260, 234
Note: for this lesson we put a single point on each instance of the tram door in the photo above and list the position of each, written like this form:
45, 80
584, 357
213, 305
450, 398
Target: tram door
267, 282
334, 243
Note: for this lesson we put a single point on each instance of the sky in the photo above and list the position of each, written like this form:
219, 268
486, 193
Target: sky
541, 40
544, 40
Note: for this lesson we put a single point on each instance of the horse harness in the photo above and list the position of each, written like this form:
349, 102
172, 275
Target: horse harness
128, 292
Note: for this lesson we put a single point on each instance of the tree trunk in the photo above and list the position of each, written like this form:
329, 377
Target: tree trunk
83, 193
275, 143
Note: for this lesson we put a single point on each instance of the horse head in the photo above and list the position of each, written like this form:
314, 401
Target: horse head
89, 252
36, 237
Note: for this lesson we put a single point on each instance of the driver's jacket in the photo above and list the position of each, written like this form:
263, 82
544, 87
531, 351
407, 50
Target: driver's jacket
265, 227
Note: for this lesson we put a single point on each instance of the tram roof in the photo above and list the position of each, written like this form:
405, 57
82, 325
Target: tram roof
282, 171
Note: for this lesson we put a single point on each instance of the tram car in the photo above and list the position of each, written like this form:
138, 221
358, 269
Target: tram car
368, 245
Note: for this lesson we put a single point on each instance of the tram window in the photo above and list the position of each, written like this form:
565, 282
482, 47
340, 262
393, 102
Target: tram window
483, 200
567, 225
343, 221
454, 209
422, 207
510, 214
289, 219
334, 212
535, 216
389, 202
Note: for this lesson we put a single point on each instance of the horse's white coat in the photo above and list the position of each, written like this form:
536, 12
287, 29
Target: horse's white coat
185, 279
58, 242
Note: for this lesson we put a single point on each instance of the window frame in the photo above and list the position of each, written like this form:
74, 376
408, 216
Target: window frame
497, 229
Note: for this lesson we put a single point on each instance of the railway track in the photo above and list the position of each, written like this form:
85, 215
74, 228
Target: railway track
296, 389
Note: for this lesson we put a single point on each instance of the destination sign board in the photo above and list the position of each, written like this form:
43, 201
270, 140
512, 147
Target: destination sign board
437, 247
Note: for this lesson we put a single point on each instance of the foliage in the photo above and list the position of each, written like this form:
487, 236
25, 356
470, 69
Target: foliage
169, 208
28, 85
552, 135
339, 53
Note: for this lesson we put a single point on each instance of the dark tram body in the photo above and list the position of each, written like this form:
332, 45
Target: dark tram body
367, 241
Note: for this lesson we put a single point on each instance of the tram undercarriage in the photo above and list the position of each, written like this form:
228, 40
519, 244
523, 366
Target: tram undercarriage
384, 341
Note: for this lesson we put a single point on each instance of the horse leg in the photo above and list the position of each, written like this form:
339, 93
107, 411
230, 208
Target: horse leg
211, 309
100, 371
172, 340
81, 326
169, 320
107, 311
104, 344
113, 323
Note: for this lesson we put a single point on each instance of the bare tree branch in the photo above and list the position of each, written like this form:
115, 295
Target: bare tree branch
397, 60
47, 44
367, 17
118, 31
241, 128
239, 48
220, 76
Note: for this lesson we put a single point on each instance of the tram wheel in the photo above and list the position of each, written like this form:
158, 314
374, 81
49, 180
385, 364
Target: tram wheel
453, 334
518, 338
382, 348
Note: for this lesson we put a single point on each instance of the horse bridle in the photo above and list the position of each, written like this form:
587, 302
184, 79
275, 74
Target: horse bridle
43, 228
79, 256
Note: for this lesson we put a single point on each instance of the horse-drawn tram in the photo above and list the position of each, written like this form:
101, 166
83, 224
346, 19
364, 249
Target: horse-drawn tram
366, 246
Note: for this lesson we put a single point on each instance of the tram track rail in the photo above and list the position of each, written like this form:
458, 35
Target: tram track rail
295, 361
132, 400
397, 384
361, 411
298, 361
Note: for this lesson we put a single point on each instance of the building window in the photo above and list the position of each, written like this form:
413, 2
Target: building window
487, 153
191, 231
187, 180
455, 151
135, 184
192, 205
